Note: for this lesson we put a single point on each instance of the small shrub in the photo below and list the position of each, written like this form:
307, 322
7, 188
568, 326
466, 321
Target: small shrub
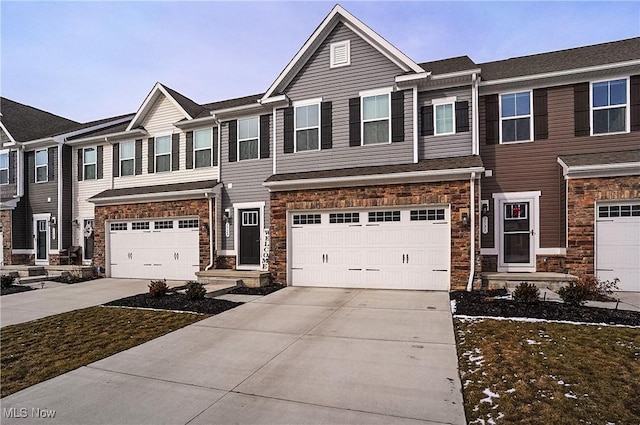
598, 290
195, 290
574, 294
526, 293
6, 281
158, 288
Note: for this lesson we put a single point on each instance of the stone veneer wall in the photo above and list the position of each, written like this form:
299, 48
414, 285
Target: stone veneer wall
167, 209
582, 194
554, 263
455, 193
5, 220
225, 262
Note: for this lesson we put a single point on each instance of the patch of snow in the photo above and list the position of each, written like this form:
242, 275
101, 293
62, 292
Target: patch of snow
153, 309
511, 390
490, 396
465, 318
569, 395
560, 382
453, 306
532, 342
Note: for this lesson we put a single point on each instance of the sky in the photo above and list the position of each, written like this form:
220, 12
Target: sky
91, 60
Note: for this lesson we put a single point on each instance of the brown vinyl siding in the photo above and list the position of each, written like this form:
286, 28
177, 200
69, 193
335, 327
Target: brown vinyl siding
37, 195
369, 70
458, 144
532, 166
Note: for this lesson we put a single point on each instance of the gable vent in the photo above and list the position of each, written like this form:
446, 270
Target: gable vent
340, 54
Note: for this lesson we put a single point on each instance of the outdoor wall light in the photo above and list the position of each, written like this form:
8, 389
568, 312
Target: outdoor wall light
205, 227
227, 214
485, 208
465, 219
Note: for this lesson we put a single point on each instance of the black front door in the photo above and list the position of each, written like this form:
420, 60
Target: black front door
41, 239
249, 237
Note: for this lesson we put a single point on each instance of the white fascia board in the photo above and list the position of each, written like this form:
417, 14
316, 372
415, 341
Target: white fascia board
357, 26
13, 141
108, 137
281, 99
195, 122
39, 143
412, 78
374, 179
157, 87
525, 78
154, 197
599, 170
237, 109
468, 72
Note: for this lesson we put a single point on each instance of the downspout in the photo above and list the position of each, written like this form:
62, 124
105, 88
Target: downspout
472, 221
211, 233
106, 140
475, 146
273, 124
19, 171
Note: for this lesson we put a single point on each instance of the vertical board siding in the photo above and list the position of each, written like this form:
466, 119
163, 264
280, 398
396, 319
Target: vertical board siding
246, 178
459, 144
533, 166
369, 69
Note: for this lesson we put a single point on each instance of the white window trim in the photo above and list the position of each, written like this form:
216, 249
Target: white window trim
156, 155
440, 102
6, 152
370, 93
202, 149
333, 47
36, 166
121, 159
300, 104
627, 117
84, 163
517, 116
242, 140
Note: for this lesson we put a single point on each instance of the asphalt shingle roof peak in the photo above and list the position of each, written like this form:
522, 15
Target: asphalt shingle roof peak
192, 108
26, 122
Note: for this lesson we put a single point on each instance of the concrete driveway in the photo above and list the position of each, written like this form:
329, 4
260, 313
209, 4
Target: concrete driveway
32, 305
300, 355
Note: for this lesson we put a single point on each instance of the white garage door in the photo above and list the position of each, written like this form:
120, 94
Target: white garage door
618, 244
161, 248
399, 249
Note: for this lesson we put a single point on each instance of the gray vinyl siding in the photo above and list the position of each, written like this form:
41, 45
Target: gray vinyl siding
369, 70
66, 236
9, 190
458, 144
246, 178
38, 194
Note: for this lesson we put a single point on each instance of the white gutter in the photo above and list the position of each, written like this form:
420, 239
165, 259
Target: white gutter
579, 171
412, 77
148, 197
472, 221
108, 137
456, 74
475, 142
274, 99
194, 122
561, 73
242, 108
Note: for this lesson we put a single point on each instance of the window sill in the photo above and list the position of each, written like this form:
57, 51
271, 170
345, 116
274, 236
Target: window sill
613, 133
518, 142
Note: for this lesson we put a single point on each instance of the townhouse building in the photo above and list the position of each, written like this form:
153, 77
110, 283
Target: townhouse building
359, 167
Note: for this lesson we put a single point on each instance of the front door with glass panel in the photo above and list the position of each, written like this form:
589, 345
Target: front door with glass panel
517, 238
249, 237
40, 240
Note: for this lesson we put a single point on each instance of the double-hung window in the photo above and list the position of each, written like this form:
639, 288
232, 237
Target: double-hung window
4, 168
203, 147
42, 168
307, 127
609, 106
248, 134
89, 163
444, 116
163, 153
127, 158
515, 117
376, 122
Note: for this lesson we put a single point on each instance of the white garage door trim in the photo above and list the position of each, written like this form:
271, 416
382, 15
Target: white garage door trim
153, 248
386, 248
617, 243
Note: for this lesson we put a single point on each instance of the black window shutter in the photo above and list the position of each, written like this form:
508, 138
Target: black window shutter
326, 125
492, 118
540, 115
265, 136
116, 159
215, 146
151, 157
30, 159
175, 152
12, 167
581, 109
189, 150
426, 125
397, 116
233, 141
80, 164
288, 130
100, 162
462, 116
635, 102
51, 154
354, 122
138, 157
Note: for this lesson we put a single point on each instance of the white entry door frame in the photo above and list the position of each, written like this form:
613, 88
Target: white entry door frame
517, 229
41, 238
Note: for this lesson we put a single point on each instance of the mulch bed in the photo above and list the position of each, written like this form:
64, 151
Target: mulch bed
264, 290
175, 302
14, 289
485, 304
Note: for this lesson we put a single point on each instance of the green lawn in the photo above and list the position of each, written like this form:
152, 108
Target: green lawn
36, 351
548, 373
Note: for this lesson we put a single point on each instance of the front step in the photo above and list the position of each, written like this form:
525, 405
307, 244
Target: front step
249, 278
221, 286
542, 280
28, 280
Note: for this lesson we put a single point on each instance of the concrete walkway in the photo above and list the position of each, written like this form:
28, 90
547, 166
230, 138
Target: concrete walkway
58, 298
300, 355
